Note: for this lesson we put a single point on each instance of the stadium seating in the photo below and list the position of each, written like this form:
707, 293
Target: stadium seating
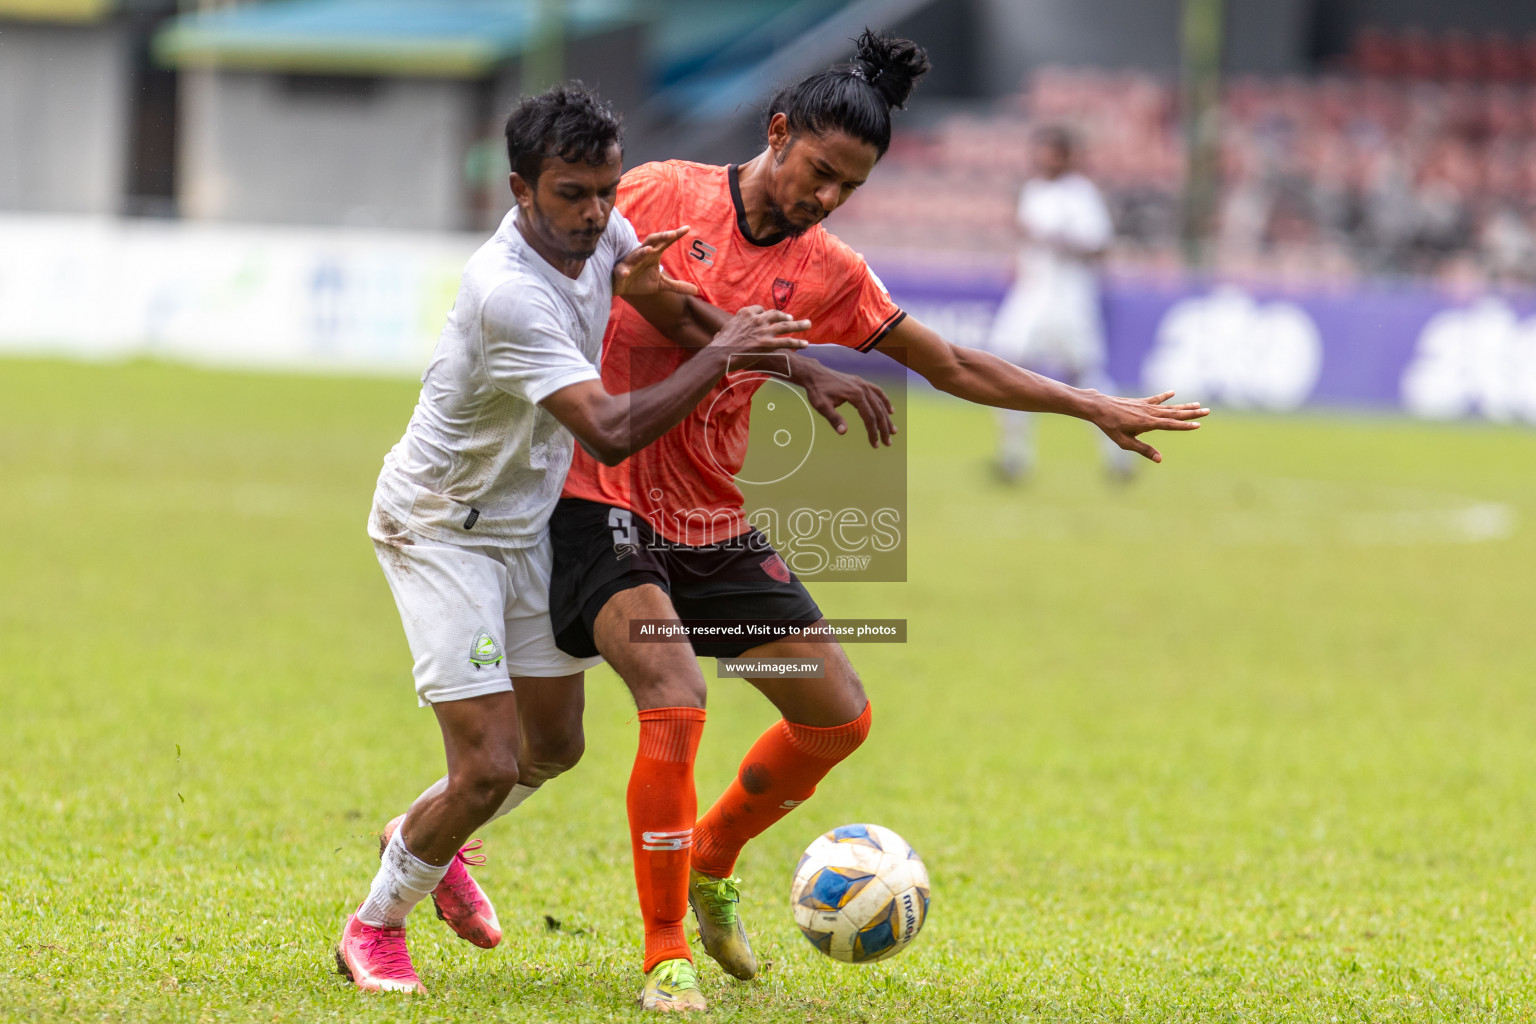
1416, 157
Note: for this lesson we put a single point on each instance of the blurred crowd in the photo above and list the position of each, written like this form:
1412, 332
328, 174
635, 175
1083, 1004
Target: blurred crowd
1415, 157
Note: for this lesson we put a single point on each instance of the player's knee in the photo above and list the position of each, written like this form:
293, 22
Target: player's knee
847, 690
484, 784
669, 689
552, 756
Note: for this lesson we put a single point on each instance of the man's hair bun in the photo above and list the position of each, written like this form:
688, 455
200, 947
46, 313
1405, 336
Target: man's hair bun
891, 65
856, 97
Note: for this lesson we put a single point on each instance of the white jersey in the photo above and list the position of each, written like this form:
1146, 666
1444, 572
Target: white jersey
1052, 315
482, 461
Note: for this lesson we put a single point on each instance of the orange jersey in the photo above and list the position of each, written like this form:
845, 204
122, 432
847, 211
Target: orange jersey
684, 483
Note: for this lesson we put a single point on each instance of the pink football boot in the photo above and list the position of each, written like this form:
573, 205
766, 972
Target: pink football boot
458, 898
376, 958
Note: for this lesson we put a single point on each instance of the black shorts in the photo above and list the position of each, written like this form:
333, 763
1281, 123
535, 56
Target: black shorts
741, 580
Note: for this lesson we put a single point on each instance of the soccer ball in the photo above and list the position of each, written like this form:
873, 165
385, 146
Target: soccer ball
860, 893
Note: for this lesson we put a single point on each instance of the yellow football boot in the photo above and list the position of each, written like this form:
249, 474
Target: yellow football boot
672, 986
714, 902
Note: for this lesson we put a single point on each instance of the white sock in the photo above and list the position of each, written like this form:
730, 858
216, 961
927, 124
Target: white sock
1016, 438
403, 881
519, 793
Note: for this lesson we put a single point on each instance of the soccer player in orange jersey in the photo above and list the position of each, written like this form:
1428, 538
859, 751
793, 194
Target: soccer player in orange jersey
662, 535
459, 519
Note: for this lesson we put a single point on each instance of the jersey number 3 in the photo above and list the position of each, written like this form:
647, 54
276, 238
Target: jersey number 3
624, 532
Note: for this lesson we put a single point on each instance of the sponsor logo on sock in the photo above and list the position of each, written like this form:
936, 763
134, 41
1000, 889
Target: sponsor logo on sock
484, 650
661, 841
790, 805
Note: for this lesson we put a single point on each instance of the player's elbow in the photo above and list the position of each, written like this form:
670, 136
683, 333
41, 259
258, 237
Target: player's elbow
606, 447
946, 374
611, 456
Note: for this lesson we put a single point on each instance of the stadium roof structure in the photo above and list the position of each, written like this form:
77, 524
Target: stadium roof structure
720, 87
695, 37
56, 10
74, 11
438, 38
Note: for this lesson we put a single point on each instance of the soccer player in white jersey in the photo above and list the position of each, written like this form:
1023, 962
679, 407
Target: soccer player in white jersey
1050, 321
460, 516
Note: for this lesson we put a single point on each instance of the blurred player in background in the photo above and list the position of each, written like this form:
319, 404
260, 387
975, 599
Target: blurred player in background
460, 516
1050, 322
663, 536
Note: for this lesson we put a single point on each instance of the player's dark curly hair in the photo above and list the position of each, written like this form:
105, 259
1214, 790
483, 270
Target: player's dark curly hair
569, 121
856, 97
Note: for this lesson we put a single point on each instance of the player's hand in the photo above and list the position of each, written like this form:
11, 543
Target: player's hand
641, 273
1124, 418
755, 330
826, 389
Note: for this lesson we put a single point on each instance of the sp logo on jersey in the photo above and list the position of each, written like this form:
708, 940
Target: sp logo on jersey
783, 291
703, 252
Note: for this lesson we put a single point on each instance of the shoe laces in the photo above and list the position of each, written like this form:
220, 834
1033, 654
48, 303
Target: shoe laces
388, 955
463, 886
675, 975
720, 896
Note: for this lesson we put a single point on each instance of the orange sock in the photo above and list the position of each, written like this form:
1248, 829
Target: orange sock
662, 805
779, 773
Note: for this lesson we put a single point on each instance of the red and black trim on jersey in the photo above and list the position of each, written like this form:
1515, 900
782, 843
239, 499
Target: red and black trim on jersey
886, 327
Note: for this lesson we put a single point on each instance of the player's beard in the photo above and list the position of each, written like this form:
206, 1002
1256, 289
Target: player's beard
780, 223
583, 245
580, 245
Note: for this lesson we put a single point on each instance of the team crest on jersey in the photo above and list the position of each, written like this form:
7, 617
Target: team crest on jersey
783, 291
484, 650
774, 566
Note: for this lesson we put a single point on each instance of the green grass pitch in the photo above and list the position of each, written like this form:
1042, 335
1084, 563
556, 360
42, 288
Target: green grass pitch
1250, 740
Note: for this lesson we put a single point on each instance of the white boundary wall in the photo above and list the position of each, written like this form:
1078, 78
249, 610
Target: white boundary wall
355, 301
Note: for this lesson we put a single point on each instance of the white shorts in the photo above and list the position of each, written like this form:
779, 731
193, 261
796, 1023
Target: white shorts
474, 615
1045, 333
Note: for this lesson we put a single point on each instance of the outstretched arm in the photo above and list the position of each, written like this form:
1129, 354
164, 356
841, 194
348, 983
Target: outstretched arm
985, 379
614, 427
